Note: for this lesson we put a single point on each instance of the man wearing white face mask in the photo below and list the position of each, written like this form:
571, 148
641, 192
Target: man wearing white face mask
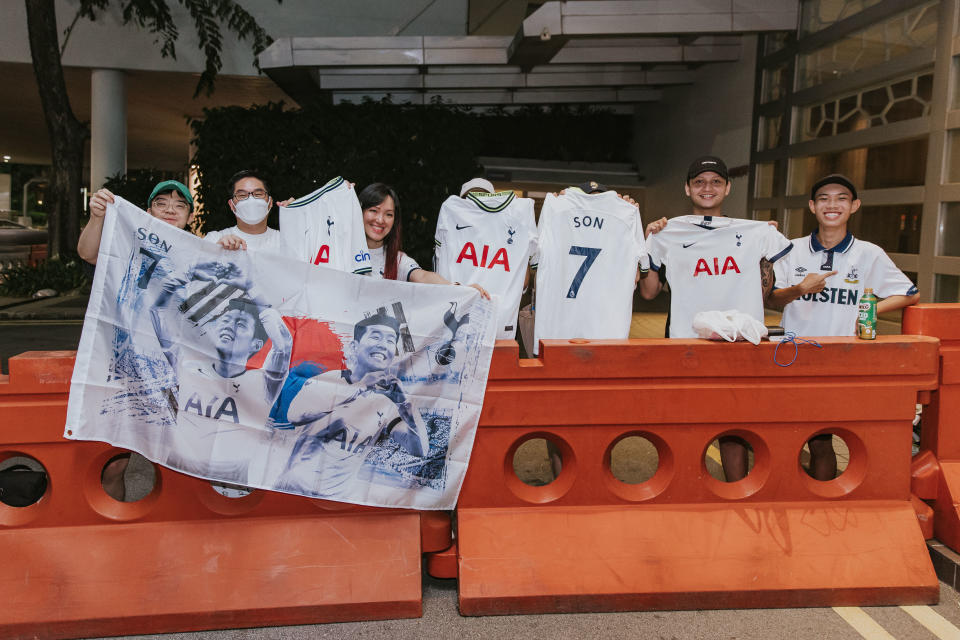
250, 201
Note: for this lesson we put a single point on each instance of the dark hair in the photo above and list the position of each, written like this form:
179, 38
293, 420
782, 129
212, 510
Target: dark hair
371, 196
248, 306
247, 173
378, 318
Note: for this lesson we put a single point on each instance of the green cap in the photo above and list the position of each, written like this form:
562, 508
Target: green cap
171, 185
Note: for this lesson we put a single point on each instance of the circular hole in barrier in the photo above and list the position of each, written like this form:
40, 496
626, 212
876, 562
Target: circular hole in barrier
537, 462
23, 481
634, 460
825, 457
735, 449
128, 477
232, 491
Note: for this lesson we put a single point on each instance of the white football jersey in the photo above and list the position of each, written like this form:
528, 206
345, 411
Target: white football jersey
488, 239
713, 264
589, 248
326, 227
833, 311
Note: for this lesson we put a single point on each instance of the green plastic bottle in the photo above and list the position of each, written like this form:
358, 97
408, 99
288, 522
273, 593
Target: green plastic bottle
867, 316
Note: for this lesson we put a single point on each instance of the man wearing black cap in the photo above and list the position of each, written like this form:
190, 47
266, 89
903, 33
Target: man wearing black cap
169, 201
714, 266
819, 284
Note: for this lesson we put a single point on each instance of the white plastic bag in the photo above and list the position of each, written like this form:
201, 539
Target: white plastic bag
729, 325
714, 325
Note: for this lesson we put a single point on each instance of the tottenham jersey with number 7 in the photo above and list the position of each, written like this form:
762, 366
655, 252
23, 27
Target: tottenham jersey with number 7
487, 239
713, 264
589, 249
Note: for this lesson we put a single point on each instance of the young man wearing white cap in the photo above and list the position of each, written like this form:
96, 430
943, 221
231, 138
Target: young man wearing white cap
819, 284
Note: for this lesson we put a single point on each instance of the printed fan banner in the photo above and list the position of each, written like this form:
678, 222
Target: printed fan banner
260, 371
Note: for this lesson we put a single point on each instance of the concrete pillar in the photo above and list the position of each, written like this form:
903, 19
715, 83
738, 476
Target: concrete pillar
108, 125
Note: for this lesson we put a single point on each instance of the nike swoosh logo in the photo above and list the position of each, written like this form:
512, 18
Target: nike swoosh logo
466, 226
689, 245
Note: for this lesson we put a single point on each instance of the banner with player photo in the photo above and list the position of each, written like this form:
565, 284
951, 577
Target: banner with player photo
266, 372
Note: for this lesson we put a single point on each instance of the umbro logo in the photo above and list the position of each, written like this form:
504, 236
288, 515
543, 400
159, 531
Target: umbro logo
466, 226
801, 270
688, 244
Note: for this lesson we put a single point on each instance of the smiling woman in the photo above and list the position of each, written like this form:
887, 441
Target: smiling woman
381, 225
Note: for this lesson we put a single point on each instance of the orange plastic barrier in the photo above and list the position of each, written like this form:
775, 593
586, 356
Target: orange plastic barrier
684, 540
936, 469
79, 564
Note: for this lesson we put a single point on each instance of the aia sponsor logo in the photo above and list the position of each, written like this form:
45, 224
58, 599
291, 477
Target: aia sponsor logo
704, 267
469, 254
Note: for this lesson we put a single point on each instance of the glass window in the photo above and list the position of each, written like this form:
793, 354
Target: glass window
820, 14
768, 135
900, 164
775, 84
946, 288
796, 222
773, 42
765, 181
904, 33
949, 232
953, 160
895, 229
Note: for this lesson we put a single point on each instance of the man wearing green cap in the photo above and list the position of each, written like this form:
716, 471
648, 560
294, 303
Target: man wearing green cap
169, 201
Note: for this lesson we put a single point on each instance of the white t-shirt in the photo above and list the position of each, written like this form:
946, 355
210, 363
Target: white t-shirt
833, 311
713, 264
589, 248
488, 239
326, 227
269, 240
329, 451
378, 260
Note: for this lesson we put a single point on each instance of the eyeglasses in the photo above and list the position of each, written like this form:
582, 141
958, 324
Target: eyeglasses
259, 194
164, 204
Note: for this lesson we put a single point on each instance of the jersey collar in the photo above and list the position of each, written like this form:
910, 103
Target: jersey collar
843, 247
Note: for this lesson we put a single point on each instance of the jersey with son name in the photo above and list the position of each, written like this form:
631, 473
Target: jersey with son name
326, 228
833, 311
713, 264
589, 249
329, 451
488, 239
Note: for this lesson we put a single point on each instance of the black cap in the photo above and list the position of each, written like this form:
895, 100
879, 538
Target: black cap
707, 163
592, 186
833, 178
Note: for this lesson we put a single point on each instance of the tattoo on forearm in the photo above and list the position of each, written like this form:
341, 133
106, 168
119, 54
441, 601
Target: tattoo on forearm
766, 277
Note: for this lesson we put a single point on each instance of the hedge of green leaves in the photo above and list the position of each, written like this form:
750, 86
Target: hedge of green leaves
425, 152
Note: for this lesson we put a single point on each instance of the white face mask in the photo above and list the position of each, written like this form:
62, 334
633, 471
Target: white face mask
252, 210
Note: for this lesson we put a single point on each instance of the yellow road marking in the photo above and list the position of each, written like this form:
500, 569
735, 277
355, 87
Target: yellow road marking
863, 624
934, 622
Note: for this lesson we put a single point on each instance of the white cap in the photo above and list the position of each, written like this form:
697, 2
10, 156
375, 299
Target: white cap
477, 183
